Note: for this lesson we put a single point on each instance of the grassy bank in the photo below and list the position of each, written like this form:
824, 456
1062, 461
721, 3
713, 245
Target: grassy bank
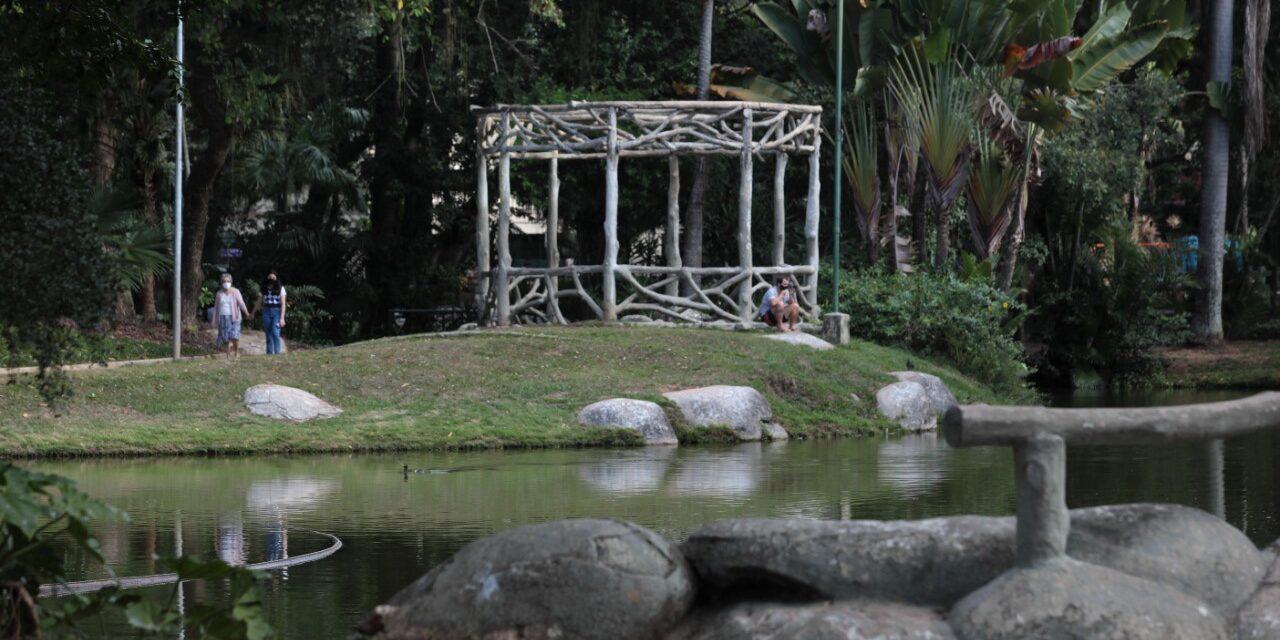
1243, 364
485, 389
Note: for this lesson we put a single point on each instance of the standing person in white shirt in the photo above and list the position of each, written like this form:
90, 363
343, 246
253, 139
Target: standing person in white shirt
779, 307
230, 311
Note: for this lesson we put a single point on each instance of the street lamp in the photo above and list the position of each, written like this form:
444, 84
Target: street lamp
177, 200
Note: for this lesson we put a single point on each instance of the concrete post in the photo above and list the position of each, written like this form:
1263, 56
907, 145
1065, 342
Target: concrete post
1040, 470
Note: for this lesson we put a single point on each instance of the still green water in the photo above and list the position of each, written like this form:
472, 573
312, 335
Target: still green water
395, 528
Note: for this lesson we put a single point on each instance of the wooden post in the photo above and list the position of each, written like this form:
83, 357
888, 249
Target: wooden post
744, 221
482, 232
780, 209
504, 226
553, 240
671, 235
1040, 475
611, 221
811, 209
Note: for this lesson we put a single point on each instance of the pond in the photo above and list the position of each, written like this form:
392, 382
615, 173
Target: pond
395, 528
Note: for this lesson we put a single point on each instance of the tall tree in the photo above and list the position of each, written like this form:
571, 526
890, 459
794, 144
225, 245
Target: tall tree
1206, 323
691, 237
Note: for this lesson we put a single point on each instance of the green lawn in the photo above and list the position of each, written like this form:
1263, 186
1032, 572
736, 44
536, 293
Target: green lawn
1241, 364
485, 389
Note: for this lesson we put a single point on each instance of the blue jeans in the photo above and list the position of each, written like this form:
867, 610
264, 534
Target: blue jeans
271, 327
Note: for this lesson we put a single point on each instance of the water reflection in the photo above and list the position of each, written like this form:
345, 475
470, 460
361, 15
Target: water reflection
628, 472
718, 472
914, 464
292, 493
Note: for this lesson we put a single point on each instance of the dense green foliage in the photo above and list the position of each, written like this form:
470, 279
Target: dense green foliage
970, 323
334, 142
56, 276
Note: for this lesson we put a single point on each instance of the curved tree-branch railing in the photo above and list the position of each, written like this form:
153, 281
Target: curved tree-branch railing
615, 130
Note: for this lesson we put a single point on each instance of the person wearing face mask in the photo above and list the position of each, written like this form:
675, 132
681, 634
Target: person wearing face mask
230, 311
272, 303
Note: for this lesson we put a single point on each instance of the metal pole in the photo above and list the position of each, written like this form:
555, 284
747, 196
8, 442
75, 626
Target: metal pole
839, 153
177, 201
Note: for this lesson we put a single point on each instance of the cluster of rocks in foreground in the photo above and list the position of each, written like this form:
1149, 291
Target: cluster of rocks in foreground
1140, 571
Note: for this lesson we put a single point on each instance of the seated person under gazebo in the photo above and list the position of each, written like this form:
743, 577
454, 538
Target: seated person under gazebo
779, 307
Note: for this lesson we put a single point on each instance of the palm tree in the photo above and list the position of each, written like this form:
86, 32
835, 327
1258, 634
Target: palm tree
691, 238
1206, 323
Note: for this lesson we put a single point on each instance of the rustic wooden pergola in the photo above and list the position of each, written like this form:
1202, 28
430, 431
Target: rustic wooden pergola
613, 130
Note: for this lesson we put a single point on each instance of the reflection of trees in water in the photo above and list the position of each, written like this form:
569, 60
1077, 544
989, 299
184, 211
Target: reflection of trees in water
914, 464
630, 472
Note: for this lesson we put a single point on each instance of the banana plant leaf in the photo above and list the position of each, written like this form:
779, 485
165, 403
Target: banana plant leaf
1099, 64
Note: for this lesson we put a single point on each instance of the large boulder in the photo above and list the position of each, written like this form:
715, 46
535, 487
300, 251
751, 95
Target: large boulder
802, 339
643, 417
820, 621
1182, 547
286, 403
908, 404
939, 394
586, 579
1066, 599
742, 409
1259, 618
926, 562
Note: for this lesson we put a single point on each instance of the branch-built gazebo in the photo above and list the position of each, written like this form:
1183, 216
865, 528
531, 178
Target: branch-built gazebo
614, 130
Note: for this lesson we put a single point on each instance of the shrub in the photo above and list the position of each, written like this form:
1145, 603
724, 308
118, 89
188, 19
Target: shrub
969, 322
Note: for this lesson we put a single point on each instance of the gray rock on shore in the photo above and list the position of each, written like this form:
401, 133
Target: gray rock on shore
742, 409
287, 403
589, 579
908, 403
821, 621
939, 394
646, 418
926, 562
802, 339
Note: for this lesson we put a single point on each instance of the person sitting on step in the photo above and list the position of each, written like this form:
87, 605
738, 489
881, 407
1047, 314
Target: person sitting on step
779, 307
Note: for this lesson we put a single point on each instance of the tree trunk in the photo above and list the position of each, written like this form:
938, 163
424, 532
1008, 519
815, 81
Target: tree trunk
1009, 253
691, 239
916, 192
151, 213
102, 163
386, 201
207, 103
1206, 323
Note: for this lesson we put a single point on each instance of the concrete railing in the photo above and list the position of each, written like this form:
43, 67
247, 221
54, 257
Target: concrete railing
1039, 437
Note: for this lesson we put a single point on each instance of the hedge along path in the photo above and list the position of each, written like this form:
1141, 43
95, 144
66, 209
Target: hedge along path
137, 582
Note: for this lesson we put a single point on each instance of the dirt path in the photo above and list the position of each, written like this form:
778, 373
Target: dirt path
1242, 363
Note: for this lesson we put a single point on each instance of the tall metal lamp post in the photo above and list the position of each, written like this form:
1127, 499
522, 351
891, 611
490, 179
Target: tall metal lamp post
177, 200
837, 183
835, 325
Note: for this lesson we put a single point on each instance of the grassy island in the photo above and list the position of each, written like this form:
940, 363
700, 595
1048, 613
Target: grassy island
1238, 364
493, 388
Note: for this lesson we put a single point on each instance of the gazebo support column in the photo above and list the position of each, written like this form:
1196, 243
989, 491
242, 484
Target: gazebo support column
780, 210
553, 242
671, 232
482, 237
611, 221
744, 221
502, 292
812, 201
